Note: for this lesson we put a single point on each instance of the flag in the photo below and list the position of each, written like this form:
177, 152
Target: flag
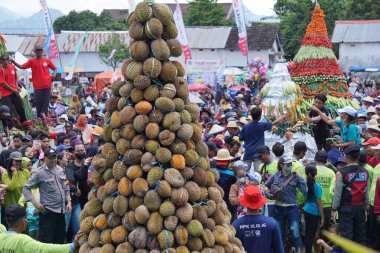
74, 60
50, 45
132, 5
240, 23
182, 36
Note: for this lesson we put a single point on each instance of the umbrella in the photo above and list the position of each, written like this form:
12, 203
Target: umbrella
233, 72
194, 99
238, 87
197, 87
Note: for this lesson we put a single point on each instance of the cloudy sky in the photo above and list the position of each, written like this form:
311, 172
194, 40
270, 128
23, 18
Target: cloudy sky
29, 7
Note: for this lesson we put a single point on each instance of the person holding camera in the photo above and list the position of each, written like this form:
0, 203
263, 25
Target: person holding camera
283, 187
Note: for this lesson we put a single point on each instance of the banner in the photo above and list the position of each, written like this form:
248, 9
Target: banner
74, 60
208, 72
240, 23
50, 45
182, 36
131, 6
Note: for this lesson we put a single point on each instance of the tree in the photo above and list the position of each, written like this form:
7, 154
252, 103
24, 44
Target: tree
296, 14
105, 50
88, 20
206, 13
362, 10
76, 21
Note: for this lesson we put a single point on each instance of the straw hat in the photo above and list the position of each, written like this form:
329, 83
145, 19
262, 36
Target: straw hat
372, 122
215, 129
243, 120
371, 110
368, 99
98, 131
232, 124
223, 155
376, 117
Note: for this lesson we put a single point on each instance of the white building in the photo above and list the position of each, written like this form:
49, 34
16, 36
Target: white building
359, 43
206, 43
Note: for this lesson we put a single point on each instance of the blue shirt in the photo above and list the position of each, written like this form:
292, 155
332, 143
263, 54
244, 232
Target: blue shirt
349, 133
253, 136
311, 206
259, 233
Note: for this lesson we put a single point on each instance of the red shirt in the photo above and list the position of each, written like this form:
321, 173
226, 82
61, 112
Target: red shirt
8, 75
373, 162
40, 72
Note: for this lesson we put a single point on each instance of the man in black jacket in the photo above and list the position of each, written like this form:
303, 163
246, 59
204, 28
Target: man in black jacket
76, 174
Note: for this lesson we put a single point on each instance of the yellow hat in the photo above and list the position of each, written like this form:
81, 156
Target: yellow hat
98, 131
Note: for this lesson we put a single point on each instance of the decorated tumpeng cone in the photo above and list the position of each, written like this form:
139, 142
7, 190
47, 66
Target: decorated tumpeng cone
153, 189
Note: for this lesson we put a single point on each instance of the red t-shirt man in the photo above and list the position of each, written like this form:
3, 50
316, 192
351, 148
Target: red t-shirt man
8, 76
40, 72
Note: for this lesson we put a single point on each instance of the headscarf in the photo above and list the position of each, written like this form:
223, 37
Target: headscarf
4, 155
80, 122
24, 163
75, 98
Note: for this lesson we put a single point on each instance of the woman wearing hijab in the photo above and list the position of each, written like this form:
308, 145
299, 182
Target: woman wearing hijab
15, 178
85, 128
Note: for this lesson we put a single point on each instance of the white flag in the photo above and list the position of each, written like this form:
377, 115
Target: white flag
50, 45
240, 23
74, 60
182, 36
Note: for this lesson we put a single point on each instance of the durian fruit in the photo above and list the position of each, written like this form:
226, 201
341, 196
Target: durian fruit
138, 237
168, 72
168, 90
174, 47
141, 82
120, 205
152, 67
174, 178
155, 223
165, 105
100, 222
119, 169
167, 209
171, 223
94, 238
163, 155
170, 31
220, 235
181, 235
140, 187
165, 239
119, 234
162, 12
180, 68
133, 70
164, 189
124, 247
195, 228
136, 31
143, 12
185, 213
152, 201
153, 29
179, 196
151, 94
139, 52
160, 49
86, 225
172, 121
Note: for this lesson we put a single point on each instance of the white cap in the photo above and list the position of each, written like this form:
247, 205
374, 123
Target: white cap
240, 96
371, 109
215, 129
376, 147
348, 110
64, 116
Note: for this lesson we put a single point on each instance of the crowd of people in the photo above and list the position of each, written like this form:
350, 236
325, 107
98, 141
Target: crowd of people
279, 200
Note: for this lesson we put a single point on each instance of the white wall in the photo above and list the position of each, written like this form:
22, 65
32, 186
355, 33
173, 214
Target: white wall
233, 58
89, 61
358, 54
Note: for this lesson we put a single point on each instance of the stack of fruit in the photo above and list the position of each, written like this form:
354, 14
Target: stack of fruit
315, 68
153, 189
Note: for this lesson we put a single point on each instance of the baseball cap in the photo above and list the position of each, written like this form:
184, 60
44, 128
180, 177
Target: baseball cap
260, 150
50, 153
373, 141
219, 142
342, 160
287, 159
14, 213
348, 110
17, 156
240, 96
240, 165
73, 135
39, 47
27, 138
255, 176
63, 147
351, 149
5, 110
65, 117
252, 198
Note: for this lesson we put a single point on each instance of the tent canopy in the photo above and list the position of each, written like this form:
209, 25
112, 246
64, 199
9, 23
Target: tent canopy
105, 77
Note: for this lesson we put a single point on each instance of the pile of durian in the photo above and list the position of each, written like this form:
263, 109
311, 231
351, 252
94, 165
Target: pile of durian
153, 188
